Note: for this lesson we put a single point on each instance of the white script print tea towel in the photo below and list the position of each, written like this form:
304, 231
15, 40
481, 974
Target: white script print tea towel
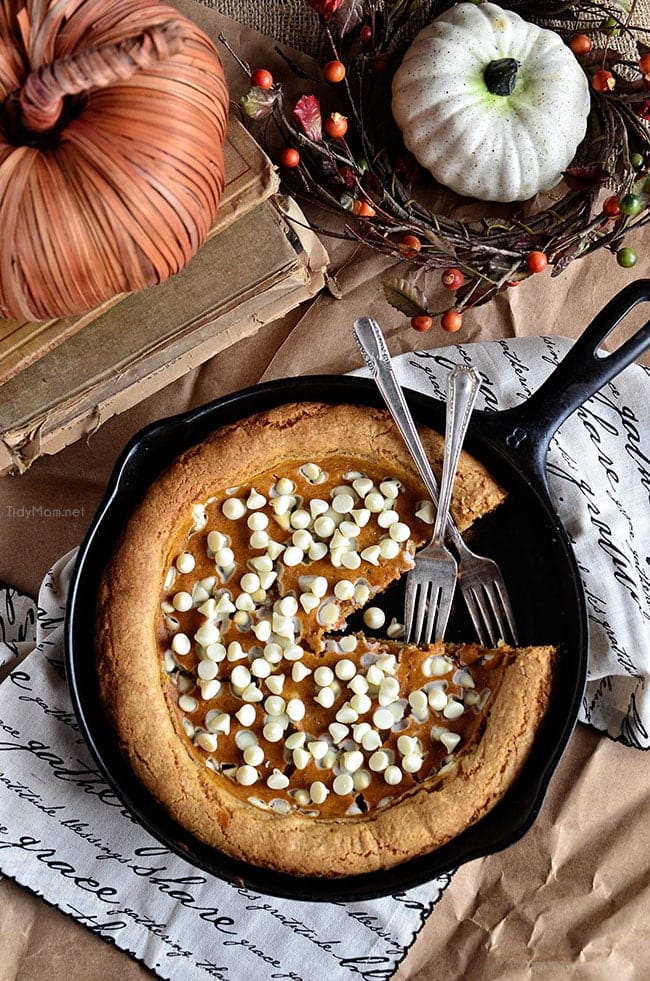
65, 835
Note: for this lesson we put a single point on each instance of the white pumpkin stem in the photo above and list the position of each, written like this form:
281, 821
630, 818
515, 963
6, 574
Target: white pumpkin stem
500, 76
41, 97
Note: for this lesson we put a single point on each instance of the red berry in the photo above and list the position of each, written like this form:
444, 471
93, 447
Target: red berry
452, 278
603, 81
334, 71
366, 35
262, 79
289, 157
451, 321
422, 323
581, 44
644, 64
611, 207
380, 64
536, 262
336, 125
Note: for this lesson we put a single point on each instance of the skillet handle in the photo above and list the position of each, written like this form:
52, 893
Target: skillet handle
582, 372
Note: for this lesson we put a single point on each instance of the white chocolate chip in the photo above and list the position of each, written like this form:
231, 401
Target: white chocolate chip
374, 502
262, 631
392, 775
371, 554
418, 702
346, 714
361, 516
361, 704
272, 653
254, 755
412, 763
343, 784
436, 666
235, 651
311, 471
344, 589
207, 670
302, 797
293, 652
273, 732
426, 512
295, 740
359, 730
437, 699
399, 532
240, 677
395, 629
374, 675
251, 693
323, 676
359, 685
361, 594
326, 698
318, 792
453, 709
274, 550
245, 738
345, 669
299, 672
274, 705
209, 689
207, 741
301, 758
181, 644
338, 732
383, 719
362, 485
246, 715
249, 582
362, 780
302, 539
374, 618
390, 489
317, 506
275, 683
388, 548
328, 614
350, 529
348, 644
407, 744
182, 601
233, 508
324, 526
224, 605
350, 560
309, 602
284, 486
342, 503
387, 663
217, 721
207, 634
371, 740
300, 519
387, 518
255, 500
287, 606
388, 690
277, 780
246, 775
292, 555
379, 761
352, 761
185, 562
260, 668
296, 709
450, 740
318, 748
187, 703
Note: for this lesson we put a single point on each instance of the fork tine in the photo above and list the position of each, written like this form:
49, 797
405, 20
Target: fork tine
498, 609
433, 609
469, 595
409, 610
420, 611
445, 597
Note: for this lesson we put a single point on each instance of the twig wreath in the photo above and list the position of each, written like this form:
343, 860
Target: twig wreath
344, 152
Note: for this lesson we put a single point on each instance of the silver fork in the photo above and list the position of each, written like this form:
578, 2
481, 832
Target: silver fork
479, 577
431, 583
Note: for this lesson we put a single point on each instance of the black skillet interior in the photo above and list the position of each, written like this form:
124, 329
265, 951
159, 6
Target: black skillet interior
525, 536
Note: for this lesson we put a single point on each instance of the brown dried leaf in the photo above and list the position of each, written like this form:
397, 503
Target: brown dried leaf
307, 114
405, 297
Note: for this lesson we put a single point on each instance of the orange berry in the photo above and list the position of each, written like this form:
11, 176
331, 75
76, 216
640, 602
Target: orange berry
644, 64
334, 71
581, 44
289, 157
336, 125
363, 210
422, 323
451, 321
262, 79
452, 278
409, 245
536, 262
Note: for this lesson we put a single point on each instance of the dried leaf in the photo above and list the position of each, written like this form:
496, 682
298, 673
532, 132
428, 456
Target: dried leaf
405, 297
308, 116
585, 178
349, 15
259, 103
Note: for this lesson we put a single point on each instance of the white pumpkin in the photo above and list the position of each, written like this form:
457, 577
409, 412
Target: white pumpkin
483, 143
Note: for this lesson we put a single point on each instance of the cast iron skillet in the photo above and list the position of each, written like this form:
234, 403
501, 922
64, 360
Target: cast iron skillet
526, 537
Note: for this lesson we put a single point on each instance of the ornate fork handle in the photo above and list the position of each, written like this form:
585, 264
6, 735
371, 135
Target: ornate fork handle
375, 353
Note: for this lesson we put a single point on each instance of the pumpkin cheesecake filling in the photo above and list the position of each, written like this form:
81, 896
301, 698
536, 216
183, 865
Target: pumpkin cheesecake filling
270, 706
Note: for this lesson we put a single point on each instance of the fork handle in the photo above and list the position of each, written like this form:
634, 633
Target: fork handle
463, 385
372, 345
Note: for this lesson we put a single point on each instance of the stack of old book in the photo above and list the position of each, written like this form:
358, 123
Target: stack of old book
61, 379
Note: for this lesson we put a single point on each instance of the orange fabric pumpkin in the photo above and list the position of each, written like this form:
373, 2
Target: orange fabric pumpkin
113, 119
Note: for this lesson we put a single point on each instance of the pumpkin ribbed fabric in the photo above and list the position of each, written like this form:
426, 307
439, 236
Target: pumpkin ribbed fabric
113, 119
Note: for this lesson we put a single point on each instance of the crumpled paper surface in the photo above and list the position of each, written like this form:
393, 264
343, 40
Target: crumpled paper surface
569, 900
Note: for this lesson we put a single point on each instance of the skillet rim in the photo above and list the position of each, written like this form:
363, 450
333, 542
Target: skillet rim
145, 456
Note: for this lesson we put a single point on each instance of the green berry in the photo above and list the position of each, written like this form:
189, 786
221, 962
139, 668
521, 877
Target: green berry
626, 257
630, 205
637, 160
